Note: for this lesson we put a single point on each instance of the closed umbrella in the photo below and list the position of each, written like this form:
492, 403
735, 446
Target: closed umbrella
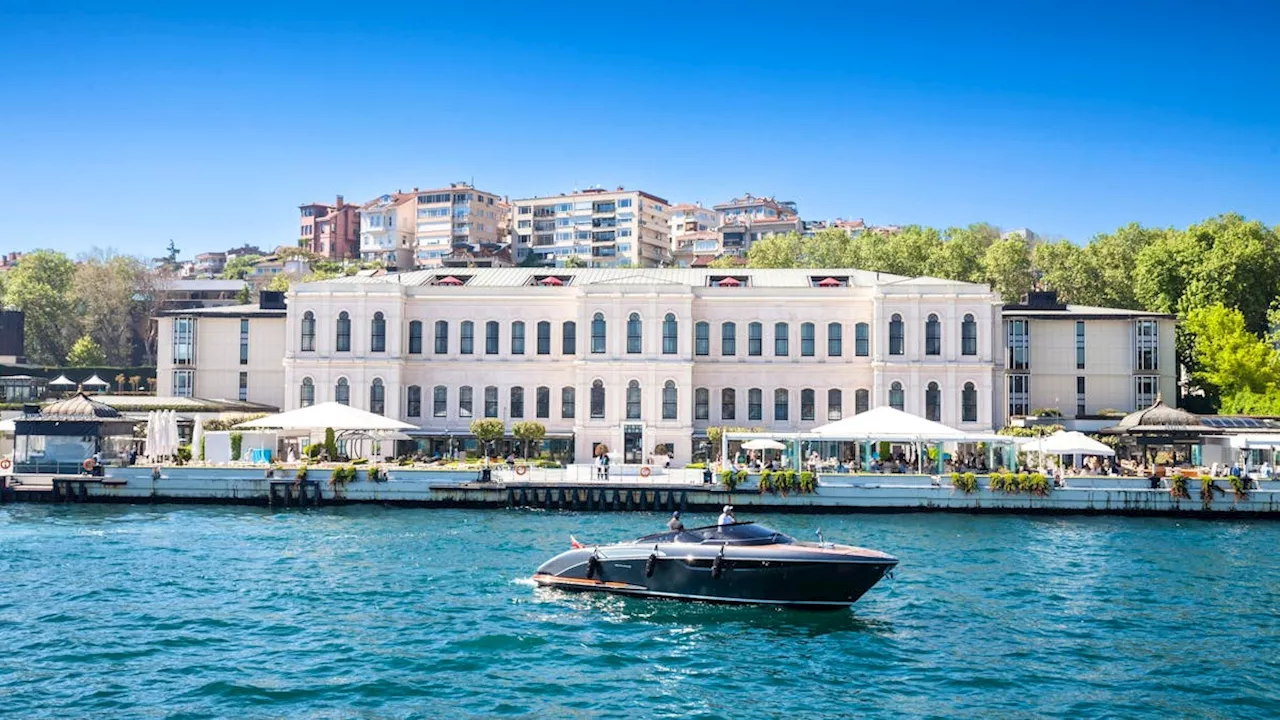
149, 440
197, 438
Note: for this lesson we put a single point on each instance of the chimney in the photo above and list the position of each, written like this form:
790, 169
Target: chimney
339, 202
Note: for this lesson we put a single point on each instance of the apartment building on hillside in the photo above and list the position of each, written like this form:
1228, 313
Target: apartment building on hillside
331, 231
748, 219
694, 233
600, 228
459, 217
387, 230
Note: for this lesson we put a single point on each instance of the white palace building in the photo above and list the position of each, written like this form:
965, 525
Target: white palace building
645, 360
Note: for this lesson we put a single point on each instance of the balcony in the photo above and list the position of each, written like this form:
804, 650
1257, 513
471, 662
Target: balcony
604, 208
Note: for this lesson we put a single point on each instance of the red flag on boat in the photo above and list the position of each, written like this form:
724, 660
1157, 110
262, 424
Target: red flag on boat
573, 543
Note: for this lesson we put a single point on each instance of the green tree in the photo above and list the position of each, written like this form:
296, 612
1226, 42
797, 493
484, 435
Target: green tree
245, 295
239, 267
40, 286
86, 353
528, 431
962, 256
573, 261
1109, 262
1232, 364
906, 252
1061, 266
832, 248
781, 250
1008, 263
331, 444
107, 288
487, 430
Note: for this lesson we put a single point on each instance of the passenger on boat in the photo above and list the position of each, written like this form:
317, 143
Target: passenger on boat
674, 524
726, 516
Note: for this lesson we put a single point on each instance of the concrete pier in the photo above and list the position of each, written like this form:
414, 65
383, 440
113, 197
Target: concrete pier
567, 490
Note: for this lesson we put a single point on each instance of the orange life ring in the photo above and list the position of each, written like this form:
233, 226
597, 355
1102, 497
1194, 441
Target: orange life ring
5, 463
644, 471
89, 464
522, 469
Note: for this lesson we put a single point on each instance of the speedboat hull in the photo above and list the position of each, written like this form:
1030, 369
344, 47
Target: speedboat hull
794, 574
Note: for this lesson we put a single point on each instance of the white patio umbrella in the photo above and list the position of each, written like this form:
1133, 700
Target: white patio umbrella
149, 440
1067, 443
762, 444
197, 438
171, 431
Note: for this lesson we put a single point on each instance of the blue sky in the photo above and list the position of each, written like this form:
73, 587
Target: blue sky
125, 124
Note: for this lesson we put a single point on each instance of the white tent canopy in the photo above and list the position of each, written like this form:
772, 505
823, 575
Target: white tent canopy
95, 381
62, 381
1067, 443
762, 444
886, 423
342, 418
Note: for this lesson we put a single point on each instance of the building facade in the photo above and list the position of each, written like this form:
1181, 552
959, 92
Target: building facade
1085, 361
595, 227
694, 233
331, 231
747, 219
459, 217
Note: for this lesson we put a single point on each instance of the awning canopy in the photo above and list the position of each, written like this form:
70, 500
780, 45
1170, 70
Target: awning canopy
325, 415
1066, 443
763, 444
1255, 442
886, 423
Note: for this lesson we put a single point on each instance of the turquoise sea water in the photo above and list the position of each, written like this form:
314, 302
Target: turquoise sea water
115, 611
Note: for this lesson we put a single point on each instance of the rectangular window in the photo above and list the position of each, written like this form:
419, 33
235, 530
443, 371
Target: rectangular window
701, 404
1145, 388
781, 405
755, 404
1080, 404
1019, 345
862, 340
244, 342
755, 340
806, 340
567, 398
702, 339
413, 407
184, 341
467, 338
517, 402
542, 402
1147, 344
781, 340
442, 337
806, 405
1080, 345
728, 404
491, 402
835, 340
728, 339
491, 338
466, 402
415, 337
1019, 395
440, 402
544, 338
184, 383
517, 338
244, 387
569, 338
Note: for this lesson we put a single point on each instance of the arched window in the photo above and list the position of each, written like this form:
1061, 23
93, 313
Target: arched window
807, 411
895, 334
597, 333
862, 340
415, 337
307, 393
377, 397
669, 399
701, 404
835, 339
466, 402
413, 404
835, 404
932, 336
634, 334
670, 335
755, 339
568, 398
467, 338
342, 392
861, 401
806, 339
969, 336
755, 404
544, 338
597, 399
517, 337
897, 399
728, 339
702, 338
781, 341
633, 400
569, 338
933, 402
343, 340
491, 401
969, 403
542, 402
491, 330
728, 404
517, 402
781, 404
308, 331
440, 401
378, 333
442, 337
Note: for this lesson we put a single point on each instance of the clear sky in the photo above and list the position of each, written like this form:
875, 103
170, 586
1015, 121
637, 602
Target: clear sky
124, 124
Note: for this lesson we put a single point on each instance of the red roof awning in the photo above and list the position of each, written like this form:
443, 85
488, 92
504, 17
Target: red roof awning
729, 282
829, 282
551, 280
451, 280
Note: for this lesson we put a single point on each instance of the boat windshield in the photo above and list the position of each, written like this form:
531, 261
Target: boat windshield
747, 533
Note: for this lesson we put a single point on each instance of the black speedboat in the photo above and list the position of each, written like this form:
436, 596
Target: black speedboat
736, 563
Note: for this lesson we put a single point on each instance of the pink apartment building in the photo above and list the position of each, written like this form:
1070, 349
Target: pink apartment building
331, 231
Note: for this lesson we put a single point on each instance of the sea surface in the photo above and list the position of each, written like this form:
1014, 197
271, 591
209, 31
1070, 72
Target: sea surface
181, 611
